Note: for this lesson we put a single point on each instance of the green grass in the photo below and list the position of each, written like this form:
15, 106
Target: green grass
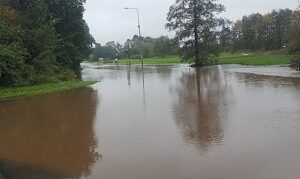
253, 58
14, 92
153, 61
257, 59
150, 61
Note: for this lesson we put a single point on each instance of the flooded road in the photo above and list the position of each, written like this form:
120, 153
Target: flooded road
163, 122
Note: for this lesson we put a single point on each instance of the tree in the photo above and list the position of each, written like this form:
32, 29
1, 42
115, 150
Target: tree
282, 19
152, 47
249, 31
225, 36
164, 46
266, 32
111, 50
41, 40
195, 23
237, 35
96, 54
75, 41
13, 68
293, 32
295, 63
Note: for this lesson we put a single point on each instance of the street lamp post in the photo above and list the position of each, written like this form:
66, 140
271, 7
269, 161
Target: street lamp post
139, 27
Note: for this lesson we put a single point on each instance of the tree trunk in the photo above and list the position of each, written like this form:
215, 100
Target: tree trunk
197, 58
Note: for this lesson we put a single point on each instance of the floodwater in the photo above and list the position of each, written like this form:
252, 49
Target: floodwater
160, 122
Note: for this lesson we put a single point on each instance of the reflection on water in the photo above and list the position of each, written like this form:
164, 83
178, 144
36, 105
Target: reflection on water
261, 81
273, 71
129, 77
202, 104
48, 136
164, 72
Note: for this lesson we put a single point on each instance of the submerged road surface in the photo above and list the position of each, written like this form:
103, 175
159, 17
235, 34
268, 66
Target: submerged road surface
160, 122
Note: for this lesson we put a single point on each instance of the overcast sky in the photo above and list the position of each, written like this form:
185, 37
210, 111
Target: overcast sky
108, 21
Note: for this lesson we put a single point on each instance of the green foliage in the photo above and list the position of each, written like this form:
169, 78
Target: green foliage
42, 40
249, 30
151, 47
295, 63
293, 33
163, 46
75, 41
226, 36
109, 51
13, 69
276, 30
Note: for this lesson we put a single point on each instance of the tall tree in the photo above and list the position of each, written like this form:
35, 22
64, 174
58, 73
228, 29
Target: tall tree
226, 36
265, 29
13, 68
293, 32
282, 19
96, 54
249, 30
75, 40
40, 39
237, 35
164, 46
195, 23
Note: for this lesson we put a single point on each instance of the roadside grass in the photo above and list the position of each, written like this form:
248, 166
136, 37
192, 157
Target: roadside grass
152, 61
256, 59
14, 92
251, 58
148, 61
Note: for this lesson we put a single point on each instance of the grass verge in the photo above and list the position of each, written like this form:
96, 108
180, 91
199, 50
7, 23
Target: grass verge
149, 61
14, 92
253, 58
257, 59
153, 61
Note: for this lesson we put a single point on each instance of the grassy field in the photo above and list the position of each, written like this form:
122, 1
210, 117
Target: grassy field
152, 61
257, 59
14, 92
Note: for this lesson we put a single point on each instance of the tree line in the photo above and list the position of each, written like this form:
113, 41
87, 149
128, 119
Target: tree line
272, 31
151, 47
42, 41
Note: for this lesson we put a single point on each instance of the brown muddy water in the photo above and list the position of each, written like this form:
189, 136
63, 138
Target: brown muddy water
163, 122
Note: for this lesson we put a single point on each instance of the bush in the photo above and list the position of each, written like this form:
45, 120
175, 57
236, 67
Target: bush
295, 63
13, 69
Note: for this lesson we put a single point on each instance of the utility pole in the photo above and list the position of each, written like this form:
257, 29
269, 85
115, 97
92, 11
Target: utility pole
140, 36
